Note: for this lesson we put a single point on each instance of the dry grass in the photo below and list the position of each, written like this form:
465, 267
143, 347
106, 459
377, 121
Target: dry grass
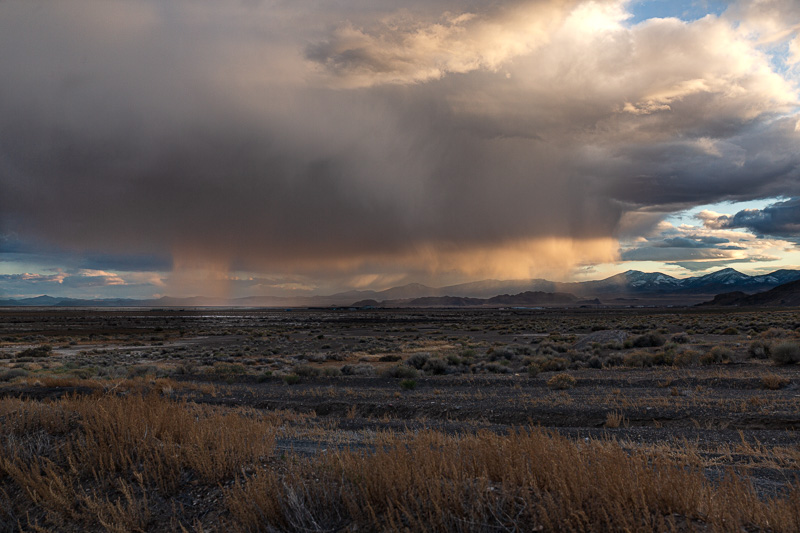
524, 481
89, 460
774, 382
125, 463
105, 462
135, 454
615, 419
561, 382
138, 385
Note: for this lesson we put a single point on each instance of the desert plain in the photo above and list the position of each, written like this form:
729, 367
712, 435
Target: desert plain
673, 419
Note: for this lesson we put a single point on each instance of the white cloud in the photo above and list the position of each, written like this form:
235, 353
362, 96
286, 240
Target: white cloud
401, 48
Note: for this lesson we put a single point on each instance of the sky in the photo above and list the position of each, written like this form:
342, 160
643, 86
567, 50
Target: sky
275, 147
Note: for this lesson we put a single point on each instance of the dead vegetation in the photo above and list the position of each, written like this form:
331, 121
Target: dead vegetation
399, 420
131, 463
523, 481
96, 461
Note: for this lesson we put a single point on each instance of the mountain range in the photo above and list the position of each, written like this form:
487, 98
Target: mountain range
632, 284
787, 295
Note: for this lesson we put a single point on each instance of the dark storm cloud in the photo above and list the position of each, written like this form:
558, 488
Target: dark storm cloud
15, 250
283, 135
781, 219
690, 242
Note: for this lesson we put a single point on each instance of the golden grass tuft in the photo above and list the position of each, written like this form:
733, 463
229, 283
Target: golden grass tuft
561, 382
774, 381
615, 419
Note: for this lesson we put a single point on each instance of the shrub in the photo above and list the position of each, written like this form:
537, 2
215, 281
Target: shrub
553, 364
389, 358
497, 368
138, 371
39, 351
759, 349
561, 382
400, 371
453, 359
774, 382
435, 366
730, 331
649, 340
418, 360
680, 338
663, 358
707, 359
12, 373
786, 353
686, 358
187, 367
533, 370
502, 353
291, 379
306, 371
409, 384
595, 362
774, 333
229, 368
84, 373
523, 350
358, 370
639, 359
717, 354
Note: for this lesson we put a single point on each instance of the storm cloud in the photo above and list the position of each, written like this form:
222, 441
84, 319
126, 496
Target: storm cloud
781, 219
361, 137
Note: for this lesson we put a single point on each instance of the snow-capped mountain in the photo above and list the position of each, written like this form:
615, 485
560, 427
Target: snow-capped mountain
725, 280
650, 279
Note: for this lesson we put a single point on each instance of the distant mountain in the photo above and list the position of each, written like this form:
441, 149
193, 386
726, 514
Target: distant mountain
655, 283
444, 301
492, 287
526, 299
50, 301
412, 290
630, 284
533, 298
786, 295
721, 280
38, 300
366, 303
778, 277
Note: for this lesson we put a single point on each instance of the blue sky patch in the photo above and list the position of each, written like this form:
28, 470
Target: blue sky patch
687, 10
